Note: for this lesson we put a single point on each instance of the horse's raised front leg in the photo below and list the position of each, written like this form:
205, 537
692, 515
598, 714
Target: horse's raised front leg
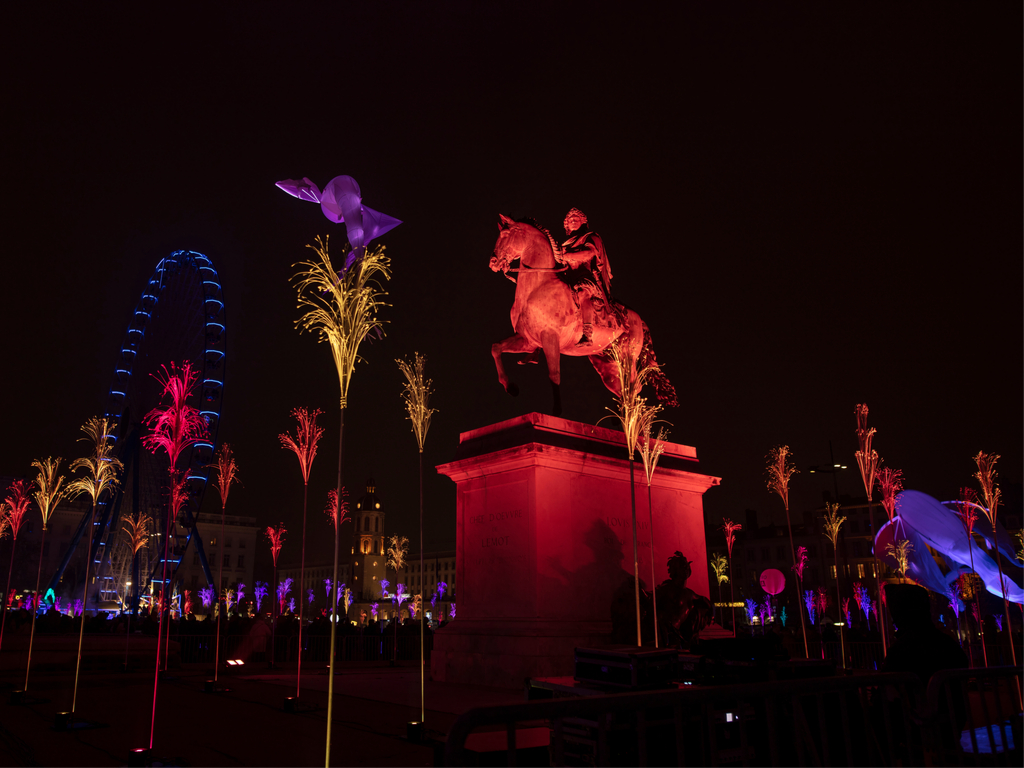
512, 344
553, 354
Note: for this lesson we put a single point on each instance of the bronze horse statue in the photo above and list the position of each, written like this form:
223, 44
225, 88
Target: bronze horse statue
545, 316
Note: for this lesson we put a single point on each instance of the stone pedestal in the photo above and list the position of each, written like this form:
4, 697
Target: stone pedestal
545, 540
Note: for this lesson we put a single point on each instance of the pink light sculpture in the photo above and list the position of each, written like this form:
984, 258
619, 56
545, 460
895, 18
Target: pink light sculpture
174, 427
303, 445
17, 502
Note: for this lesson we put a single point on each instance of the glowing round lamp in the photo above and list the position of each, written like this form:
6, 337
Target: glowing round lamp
773, 581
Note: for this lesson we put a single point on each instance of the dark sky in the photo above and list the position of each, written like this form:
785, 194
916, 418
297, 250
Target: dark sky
810, 209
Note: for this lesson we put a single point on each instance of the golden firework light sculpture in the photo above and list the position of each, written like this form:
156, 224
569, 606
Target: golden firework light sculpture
868, 463
416, 393
50, 491
780, 470
833, 523
100, 476
900, 552
226, 470
634, 415
341, 308
991, 495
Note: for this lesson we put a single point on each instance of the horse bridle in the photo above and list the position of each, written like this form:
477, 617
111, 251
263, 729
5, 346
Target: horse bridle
522, 268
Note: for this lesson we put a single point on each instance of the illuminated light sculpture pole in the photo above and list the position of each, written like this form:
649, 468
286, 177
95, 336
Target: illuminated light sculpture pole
990, 493
868, 462
276, 537
137, 529
227, 473
720, 565
342, 308
833, 522
101, 476
966, 510
635, 416
304, 444
900, 552
174, 427
780, 469
650, 452
397, 551
729, 528
416, 394
50, 491
17, 502
5, 528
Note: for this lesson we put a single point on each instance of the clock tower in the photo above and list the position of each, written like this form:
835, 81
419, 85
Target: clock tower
367, 546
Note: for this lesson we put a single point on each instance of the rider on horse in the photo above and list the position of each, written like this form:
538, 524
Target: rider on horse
590, 274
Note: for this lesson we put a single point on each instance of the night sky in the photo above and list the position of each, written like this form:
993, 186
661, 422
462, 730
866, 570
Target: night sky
810, 209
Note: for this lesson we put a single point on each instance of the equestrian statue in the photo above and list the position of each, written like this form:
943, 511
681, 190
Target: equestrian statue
563, 306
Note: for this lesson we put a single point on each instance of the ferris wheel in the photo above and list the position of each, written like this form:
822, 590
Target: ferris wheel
179, 317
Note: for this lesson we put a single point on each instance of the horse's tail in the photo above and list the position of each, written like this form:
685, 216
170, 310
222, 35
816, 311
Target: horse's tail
662, 386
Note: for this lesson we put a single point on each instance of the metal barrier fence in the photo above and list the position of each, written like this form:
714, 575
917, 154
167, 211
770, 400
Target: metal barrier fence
859, 655
972, 716
873, 719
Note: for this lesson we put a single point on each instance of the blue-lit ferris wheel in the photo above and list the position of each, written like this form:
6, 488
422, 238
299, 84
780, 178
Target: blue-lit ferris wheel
179, 317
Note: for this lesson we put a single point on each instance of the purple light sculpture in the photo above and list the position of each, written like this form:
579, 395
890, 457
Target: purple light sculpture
342, 202
811, 601
261, 593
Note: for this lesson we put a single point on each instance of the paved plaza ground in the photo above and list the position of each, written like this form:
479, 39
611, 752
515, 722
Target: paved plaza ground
246, 725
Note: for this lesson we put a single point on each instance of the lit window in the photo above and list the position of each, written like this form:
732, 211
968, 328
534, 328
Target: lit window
860, 570
832, 572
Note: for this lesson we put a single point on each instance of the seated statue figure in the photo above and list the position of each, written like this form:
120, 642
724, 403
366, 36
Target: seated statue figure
682, 613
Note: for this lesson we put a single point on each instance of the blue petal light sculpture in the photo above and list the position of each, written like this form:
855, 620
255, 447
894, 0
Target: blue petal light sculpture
923, 520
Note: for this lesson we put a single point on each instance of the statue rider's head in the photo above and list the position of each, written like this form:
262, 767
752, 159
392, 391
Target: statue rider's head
679, 567
574, 219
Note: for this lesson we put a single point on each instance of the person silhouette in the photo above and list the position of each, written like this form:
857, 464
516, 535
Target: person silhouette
922, 649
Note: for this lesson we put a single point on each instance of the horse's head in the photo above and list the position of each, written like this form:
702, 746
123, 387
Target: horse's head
508, 247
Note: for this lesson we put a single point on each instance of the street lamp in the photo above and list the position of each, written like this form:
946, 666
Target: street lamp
833, 470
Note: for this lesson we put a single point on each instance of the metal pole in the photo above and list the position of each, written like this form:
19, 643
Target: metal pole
85, 602
423, 629
636, 557
302, 585
35, 607
654, 585
220, 592
334, 608
799, 597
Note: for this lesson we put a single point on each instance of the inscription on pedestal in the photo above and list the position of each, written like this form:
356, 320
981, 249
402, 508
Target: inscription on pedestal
497, 544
